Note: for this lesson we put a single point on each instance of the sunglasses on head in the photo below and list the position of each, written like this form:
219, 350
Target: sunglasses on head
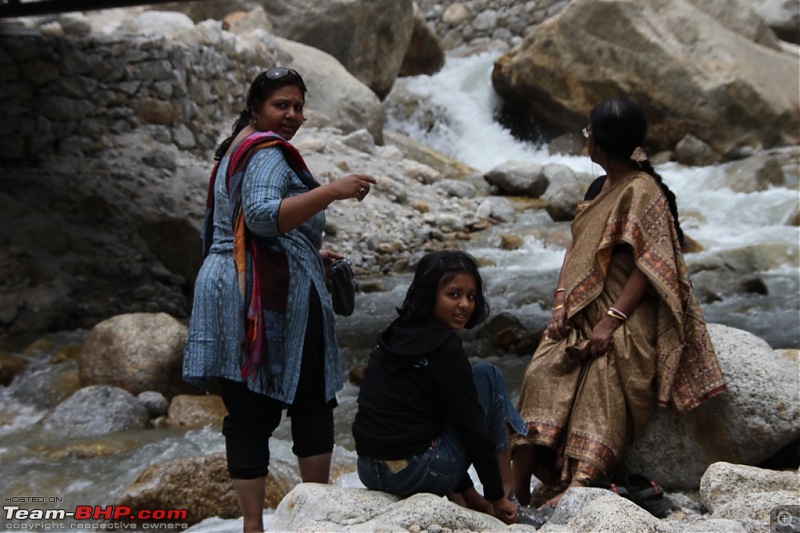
277, 73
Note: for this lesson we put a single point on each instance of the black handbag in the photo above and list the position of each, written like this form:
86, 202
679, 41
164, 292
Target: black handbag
343, 287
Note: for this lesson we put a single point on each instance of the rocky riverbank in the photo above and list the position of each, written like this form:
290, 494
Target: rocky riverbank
700, 459
109, 120
111, 117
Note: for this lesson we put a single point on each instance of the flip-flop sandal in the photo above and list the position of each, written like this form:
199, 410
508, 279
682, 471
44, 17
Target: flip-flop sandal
613, 487
648, 495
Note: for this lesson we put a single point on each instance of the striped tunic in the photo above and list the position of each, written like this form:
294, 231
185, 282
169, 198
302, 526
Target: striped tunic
216, 327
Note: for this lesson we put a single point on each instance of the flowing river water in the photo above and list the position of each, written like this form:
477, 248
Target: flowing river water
720, 219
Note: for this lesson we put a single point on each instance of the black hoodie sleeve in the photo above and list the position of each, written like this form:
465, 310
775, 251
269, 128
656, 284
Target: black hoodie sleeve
460, 398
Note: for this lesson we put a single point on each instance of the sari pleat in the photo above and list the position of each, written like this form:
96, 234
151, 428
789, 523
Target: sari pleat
589, 410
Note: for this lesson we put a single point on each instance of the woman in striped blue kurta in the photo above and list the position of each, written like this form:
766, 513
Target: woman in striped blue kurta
301, 369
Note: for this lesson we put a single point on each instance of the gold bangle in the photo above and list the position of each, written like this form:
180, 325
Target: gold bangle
559, 306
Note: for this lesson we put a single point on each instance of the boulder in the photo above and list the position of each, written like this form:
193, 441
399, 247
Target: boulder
613, 513
200, 485
411, 149
425, 53
692, 151
155, 403
507, 332
693, 74
196, 411
773, 168
369, 38
496, 208
519, 178
567, 189
96, 410
457, 188
137, 352
758, 512
317, 507
723, 483
756, 418
343, 101
722, 273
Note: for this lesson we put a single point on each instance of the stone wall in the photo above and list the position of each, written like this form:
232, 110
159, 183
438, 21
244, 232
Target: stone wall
64, 95
478, 22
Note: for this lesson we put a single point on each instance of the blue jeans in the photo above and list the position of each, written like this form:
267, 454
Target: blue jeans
439, 469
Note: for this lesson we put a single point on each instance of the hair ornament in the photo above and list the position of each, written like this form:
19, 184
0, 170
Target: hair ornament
639, 155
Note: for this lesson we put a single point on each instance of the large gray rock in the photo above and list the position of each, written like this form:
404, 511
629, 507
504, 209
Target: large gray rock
719, 275
692, 74
612, 513
96, 410
200, 485
416, 151
773, 168
425, 53
566, 190
523, 178
316, 507
137, 352
196, 411
369, 38
757, 511
572, 503
723, 483
497, 208
757, 417
155, 403
345, 102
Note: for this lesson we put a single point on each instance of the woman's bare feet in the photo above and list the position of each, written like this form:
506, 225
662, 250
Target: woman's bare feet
553, 502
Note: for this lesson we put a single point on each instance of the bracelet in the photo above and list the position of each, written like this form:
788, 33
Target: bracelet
560, 289
616, 313
559, 306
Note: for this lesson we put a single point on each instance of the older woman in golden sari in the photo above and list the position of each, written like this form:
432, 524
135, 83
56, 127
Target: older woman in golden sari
626, 334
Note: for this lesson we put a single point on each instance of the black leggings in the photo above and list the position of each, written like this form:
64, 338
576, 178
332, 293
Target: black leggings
253, 417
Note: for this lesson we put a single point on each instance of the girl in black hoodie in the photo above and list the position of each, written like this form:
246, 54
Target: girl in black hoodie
424, 414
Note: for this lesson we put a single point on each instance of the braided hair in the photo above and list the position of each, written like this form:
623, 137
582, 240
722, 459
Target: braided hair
619, 127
